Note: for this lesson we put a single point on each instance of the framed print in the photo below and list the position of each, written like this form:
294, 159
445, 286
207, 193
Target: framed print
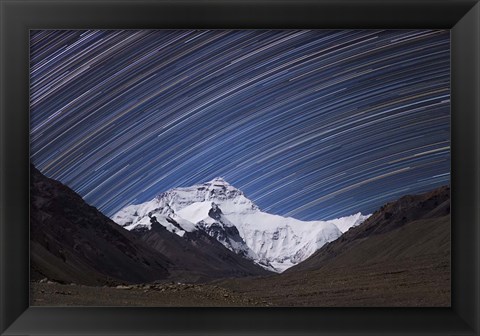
162, 158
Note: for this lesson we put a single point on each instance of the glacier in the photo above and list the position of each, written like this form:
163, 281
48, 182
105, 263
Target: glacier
225, 213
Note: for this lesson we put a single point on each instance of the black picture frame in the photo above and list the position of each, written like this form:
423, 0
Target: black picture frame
17, 17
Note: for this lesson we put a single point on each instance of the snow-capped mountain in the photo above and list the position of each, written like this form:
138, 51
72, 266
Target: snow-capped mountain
223, 211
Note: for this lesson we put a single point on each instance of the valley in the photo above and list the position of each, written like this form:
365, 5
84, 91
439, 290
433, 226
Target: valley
208, 245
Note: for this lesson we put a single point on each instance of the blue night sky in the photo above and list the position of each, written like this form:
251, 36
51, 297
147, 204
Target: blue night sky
313, 124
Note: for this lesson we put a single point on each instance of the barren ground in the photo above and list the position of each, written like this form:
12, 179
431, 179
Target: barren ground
163, 295
418, 282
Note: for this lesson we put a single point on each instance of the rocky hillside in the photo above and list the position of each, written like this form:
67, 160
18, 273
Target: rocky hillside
391, 217
72, 241
399, 257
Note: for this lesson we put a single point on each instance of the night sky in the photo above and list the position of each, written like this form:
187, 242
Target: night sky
311, 124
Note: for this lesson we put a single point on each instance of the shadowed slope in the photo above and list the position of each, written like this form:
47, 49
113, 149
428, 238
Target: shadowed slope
72, 241
400, 256
198, 256
390, 217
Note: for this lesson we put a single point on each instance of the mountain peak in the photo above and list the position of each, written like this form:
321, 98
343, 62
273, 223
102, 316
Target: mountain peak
218, 180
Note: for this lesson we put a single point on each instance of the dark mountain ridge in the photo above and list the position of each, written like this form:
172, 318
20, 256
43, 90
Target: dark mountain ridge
390, 217
72, 241
398, 257
198, 256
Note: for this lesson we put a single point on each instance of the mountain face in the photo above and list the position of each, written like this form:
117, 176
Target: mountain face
224, 213
72, 241
398, 257
197, 256
414, 225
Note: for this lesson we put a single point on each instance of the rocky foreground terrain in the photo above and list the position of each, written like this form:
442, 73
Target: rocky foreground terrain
49, 293
411, 282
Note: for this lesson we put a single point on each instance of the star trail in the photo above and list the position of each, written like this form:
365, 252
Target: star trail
313, 124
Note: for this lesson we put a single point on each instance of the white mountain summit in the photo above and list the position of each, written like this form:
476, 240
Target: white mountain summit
223, 211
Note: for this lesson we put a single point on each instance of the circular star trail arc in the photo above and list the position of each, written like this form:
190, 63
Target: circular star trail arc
313, 124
